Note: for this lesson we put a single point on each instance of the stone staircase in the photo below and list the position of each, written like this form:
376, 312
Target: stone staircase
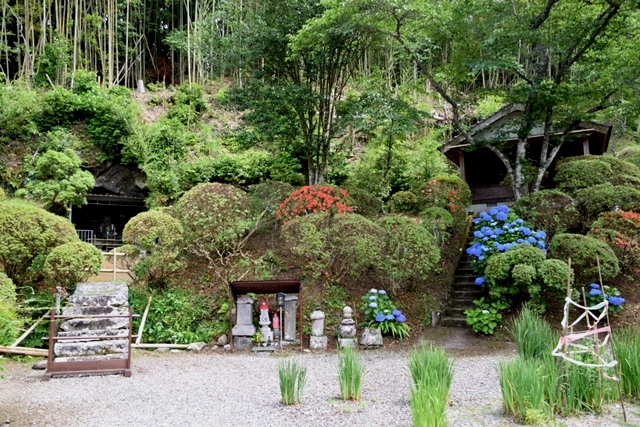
463, 292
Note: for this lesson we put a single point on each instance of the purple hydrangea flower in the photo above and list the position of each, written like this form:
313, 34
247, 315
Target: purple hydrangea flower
594, 286
526, 231
540, 234
372, 298
480, 281
478, 234
501, 216
389, 316
401, 318
493, 211
595, 292
382, 292
373, 305
380, 317
503, 208
396, 312
373, 291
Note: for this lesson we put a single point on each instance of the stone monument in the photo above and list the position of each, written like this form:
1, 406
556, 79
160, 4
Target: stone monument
243, 330
347, 329
371, 338
317, 341
290, 315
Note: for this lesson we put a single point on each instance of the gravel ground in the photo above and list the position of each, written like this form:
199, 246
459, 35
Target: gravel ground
217, 389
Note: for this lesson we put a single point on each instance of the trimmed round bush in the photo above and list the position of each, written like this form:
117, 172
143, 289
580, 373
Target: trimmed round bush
152, 229
7, 290
549, 210
576, 173
555, 275
214, 217
403, 202
499, 266
410, 252
71, 263
27, 235
584, 251
365, 203
606, 197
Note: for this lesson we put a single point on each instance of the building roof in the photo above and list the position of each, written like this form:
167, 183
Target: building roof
502, 125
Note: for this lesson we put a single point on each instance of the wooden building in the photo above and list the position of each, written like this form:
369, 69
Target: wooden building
484, 171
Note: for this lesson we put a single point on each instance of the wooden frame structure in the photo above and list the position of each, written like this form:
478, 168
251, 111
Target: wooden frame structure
264, 287
86, 367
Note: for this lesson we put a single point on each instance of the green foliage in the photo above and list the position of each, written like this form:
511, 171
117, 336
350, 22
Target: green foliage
437, 220
595, 294
410, 252
403, 202
364, 203
293, 378
573, 174
350, 372
160, 236
605, 197
486, 317
19, 109
529, 389
189, 104
621, 231
549, 210
344, 245
9, 320
56, 180
627, 350
214, 217
175, 316
431, 374
70, 263
268, 196
532, 335
381, 313
28, 234
584, 252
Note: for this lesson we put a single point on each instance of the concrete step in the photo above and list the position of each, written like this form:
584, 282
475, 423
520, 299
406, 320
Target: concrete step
466, 287
94, 311
121, 333
456, 322
462, 302
100, 294
455, 312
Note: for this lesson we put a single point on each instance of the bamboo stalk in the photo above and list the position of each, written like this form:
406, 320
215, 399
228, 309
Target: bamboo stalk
144, 319
28, 331
24, 351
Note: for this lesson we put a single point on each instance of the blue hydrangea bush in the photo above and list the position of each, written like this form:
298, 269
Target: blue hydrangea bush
597, 294
381, 313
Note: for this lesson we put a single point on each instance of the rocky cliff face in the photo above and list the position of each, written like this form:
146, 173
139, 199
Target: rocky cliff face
119, 180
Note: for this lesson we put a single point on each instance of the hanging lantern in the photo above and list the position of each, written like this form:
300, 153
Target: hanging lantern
280, 299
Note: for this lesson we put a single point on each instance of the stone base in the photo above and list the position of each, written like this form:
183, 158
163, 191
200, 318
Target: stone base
318, 343
347, 342
371, 338
242, 343
261, 349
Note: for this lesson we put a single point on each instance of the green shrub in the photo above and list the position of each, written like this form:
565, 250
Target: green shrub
28, 234
621, 231
549, 210
70, 263
7, 290
410, 252
605, 197
403, 202
19, 109
160, 236
431, 374
437, 221
350, 371
344, 245
486, 316
176, 316
293, 378
214, 218
2, 195
381, 313
365, 203
189, 104
584, 252
267, 196
577, 173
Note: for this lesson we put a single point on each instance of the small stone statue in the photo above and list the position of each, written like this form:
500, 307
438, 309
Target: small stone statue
317, 341
347, 329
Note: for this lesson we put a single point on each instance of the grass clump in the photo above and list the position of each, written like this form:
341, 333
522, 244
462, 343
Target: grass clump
627, 348
532, 335
431, 374
350, 371
293, 378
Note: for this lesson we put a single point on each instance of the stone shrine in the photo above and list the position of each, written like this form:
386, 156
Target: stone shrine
317, 341
290, 316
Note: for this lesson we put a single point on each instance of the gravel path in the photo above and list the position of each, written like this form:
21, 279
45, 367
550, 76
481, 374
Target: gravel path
217, 389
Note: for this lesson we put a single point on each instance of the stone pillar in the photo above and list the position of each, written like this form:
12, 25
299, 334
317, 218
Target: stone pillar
371, 338
243, 330
317, 341
347, 329
290, 316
